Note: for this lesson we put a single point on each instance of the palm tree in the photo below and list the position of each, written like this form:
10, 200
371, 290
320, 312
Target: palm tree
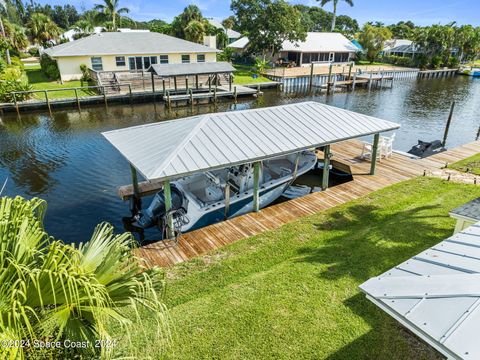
110, 10
195, 31
335, 3
42, 29
18, 38
51, 290
82, 28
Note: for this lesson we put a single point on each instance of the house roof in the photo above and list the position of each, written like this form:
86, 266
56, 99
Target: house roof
436, 294
172, 149
470, 210
231, 34
321, 42
126, 43
240, 43
399, 45
315, 42
168, 70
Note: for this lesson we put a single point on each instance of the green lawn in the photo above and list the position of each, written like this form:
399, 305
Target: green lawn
39, 81
243, 75
471, 164
293, 293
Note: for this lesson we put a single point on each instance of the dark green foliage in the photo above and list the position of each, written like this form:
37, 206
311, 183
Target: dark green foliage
49, 67
399, 60
9, 86
268, 23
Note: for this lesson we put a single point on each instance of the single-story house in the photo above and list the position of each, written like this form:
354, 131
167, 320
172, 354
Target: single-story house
126, 51
318, 47
399, 47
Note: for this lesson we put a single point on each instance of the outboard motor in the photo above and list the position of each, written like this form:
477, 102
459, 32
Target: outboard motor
425, 148
150, 216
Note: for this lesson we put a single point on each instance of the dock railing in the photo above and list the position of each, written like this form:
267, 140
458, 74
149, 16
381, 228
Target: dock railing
101, 91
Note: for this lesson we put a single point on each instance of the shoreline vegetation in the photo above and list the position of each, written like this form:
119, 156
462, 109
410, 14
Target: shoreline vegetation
293, 292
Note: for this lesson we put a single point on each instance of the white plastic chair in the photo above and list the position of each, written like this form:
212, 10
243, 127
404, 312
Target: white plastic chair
368, 150
387, 145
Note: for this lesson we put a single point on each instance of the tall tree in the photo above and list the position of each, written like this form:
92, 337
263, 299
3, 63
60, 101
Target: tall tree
229, 22
268, 23
42, 29
111, 11
335, 3
372, 38
181, 22
195, 31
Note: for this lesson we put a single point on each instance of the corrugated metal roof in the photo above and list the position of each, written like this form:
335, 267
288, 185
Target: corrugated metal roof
436, 294
127, 43
321, 42
176, 148
469, 210
166, 70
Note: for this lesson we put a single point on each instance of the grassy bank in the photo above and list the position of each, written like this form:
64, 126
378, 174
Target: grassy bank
471, 164
293, 293
243, 75
39, 81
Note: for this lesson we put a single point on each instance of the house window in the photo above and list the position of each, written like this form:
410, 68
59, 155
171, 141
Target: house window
200, 58
163, 59
97, 63
185, 59
153, 60
120, 60
131, 63
146, 62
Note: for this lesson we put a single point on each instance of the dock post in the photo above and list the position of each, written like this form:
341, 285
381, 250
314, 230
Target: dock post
350, 71
78, 100
164, 88
311, 77
354, 81
230, 82
215, 94
153, 86
373, 164
47, 100
329, 78
196, 82
169, 102
447, 127
191, 96
370, 81
130, 93
235, 94
175, 83
209, 84
186, 83
16, 103
256, 186
227, 201
137, 200
168, 207
326, 167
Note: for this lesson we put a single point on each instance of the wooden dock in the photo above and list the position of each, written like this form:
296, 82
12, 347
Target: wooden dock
393, 170
211, 94
427, 74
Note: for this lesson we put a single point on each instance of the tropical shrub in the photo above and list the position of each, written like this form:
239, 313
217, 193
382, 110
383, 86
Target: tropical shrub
453, 62
7, 87
399, 60
34, 51
85, 73
226, 55
260, 66
49, 67
436, 62
51, 291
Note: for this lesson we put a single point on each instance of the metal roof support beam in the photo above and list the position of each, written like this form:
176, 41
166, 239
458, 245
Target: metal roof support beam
326, 167
376, 140
168, 207
256, 186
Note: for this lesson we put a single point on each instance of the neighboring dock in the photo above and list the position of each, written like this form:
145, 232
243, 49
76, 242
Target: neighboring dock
393, 170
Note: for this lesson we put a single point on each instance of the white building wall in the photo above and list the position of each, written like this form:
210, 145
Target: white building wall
69, 66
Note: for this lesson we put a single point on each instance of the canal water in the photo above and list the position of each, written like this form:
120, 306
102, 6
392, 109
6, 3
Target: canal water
63, 158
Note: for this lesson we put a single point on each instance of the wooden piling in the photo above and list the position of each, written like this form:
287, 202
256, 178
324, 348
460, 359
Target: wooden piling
256, 186
47, 101
311, 76
447, 127
78, 100
16, 103
168, 207
104, 95
373, 157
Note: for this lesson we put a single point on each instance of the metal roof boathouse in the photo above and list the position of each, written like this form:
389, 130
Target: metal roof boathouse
436, 294
169, 150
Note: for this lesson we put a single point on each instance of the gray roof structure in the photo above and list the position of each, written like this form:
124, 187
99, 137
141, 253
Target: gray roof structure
436, 294
169, 70
469, 211
127, 43
176, 148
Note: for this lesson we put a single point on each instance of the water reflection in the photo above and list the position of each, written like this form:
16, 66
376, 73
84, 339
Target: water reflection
64, 159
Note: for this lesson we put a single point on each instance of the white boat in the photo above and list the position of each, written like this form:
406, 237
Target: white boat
206, 198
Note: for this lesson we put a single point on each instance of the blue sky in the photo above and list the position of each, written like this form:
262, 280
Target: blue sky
422, 12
